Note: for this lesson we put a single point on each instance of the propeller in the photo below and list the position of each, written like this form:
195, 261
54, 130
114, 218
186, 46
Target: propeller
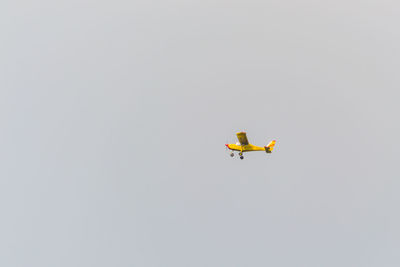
228, 150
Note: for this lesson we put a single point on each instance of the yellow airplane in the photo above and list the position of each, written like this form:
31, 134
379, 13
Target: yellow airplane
244, 146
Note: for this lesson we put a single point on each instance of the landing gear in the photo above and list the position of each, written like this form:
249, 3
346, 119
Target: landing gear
232, 154
241, 155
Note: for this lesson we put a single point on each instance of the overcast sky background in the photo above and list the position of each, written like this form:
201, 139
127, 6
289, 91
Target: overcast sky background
114, 116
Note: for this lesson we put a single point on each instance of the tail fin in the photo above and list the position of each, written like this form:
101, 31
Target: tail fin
270, 146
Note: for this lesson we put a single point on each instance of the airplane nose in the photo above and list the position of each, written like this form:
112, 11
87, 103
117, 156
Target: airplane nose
227, 145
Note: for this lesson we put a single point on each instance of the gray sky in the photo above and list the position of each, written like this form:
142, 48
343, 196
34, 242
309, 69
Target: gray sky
114, 116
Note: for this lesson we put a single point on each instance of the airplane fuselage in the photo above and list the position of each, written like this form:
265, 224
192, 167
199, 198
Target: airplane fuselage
245, 148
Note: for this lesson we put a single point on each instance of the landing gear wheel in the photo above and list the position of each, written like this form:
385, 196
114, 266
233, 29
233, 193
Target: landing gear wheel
232, 154
241, 157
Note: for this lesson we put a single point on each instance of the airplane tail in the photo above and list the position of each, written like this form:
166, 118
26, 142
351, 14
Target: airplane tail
270, 146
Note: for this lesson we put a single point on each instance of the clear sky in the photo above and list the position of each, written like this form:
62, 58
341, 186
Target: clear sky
114, 116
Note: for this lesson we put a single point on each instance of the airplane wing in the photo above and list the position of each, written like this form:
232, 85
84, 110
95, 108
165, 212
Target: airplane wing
242, 138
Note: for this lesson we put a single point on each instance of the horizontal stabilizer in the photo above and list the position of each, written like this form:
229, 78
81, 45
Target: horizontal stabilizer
270, 146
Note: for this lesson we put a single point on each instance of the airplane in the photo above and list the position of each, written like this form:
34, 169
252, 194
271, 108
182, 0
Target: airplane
244, 146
